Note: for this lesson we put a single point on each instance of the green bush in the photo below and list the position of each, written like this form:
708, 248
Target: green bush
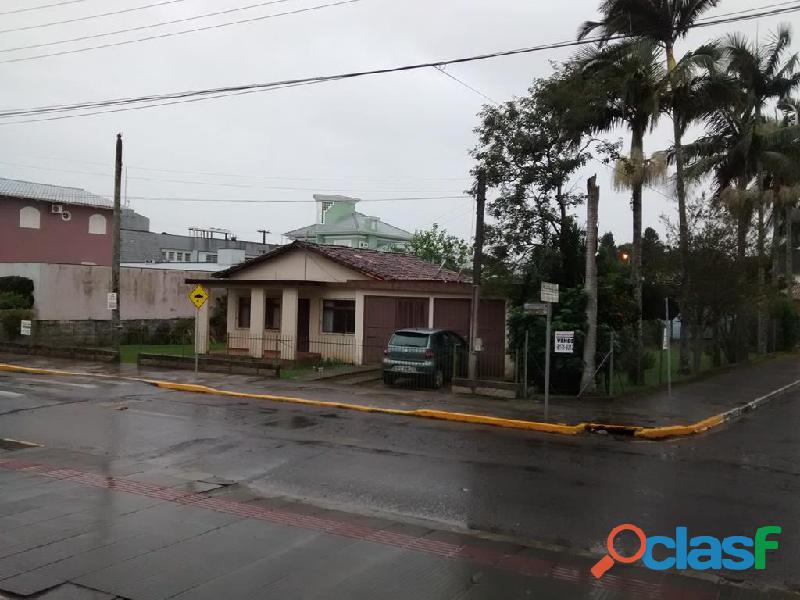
11, 300
785, 313
9, 321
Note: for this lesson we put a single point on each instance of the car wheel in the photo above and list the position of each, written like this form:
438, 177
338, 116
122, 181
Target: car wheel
438, 379
388, 379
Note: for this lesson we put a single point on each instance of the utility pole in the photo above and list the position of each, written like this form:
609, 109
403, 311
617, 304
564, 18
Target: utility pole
263, 233
115, 234
474, 341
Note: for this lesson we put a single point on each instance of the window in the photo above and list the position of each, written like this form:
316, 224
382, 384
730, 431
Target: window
363, 244
29, 218
243, 313
164, 255
97, 225
339, 316
347, 243
211, 258
272, 315
324, 209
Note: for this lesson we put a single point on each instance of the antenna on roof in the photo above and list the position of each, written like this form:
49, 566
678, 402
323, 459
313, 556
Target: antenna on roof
441, 266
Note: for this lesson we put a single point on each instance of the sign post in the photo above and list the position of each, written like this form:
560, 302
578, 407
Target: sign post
548, 294
198, 296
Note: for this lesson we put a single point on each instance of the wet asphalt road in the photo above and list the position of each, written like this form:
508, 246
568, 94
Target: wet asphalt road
538, 489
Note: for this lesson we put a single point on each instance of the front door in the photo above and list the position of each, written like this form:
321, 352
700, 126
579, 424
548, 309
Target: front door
303, 312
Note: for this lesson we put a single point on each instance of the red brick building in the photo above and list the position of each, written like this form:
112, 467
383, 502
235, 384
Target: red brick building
42, 223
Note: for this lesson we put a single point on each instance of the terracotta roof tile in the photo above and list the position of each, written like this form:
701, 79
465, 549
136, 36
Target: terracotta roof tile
383, 266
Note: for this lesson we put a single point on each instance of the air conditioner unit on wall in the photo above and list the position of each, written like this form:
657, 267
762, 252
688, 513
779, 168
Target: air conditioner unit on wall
56, 209
66, 215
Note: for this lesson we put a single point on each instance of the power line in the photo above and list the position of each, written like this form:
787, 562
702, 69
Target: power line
86, 18
246, 201
30, 8
233, 185
213, 93
396, 178
465, 84
168, 34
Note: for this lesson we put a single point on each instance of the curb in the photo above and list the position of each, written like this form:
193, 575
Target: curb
645, 433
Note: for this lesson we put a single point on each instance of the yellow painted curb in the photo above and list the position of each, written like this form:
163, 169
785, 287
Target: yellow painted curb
420, 413
660, 433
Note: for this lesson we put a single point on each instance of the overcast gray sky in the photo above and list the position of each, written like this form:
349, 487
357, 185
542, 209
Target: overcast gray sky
396, 135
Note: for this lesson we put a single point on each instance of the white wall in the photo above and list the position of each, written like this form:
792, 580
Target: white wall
299, 265
77, 292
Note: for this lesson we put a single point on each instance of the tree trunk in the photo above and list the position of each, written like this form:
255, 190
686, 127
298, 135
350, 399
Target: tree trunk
683, 223
762, 278
590, 286
776, 235
789, 274
637, 159
743, 218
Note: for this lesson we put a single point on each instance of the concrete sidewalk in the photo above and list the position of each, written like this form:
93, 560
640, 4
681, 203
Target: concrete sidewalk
690, 402
86, 534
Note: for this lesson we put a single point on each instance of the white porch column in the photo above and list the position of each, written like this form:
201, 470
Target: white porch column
201, 322
430, 311
257, 322
230, 327
358, 338
288, 341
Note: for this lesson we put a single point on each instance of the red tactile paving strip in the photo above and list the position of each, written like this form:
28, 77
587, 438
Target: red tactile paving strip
484, 556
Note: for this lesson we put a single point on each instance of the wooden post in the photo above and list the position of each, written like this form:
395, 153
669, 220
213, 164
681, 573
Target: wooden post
116, 244
480, 202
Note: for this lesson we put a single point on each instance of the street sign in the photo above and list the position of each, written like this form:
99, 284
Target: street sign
549, 292
25, 327
112, 301
536, 308
198, 296
565, 342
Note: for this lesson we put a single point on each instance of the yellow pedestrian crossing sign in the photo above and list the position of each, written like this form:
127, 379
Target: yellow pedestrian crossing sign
198, 296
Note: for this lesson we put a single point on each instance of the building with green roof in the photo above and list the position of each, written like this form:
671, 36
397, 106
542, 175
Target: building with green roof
339, 224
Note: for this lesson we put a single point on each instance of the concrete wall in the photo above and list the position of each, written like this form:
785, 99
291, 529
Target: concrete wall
76, 292
56, 240
299, 265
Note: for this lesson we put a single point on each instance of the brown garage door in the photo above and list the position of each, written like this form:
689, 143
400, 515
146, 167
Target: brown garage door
452, 314
383, 315
492, 331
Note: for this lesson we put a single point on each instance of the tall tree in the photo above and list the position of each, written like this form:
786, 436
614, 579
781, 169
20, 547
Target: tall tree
634, 86
437, 246
529, 156
590, 287
664, 22
746, 151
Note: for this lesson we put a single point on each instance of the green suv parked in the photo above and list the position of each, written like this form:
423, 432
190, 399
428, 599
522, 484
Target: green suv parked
433, 356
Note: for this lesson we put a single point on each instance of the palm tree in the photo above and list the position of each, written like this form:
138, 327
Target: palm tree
664, 22
632, 89
741, 146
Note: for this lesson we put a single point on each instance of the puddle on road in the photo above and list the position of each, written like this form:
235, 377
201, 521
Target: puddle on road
301, 422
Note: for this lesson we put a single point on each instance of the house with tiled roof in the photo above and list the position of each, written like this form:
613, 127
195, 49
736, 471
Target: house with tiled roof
339, 223
41, 223
306, 300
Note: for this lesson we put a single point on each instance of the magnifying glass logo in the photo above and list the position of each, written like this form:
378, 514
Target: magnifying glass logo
605, 563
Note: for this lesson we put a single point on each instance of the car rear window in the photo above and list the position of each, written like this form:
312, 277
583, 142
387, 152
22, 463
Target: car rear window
415, 340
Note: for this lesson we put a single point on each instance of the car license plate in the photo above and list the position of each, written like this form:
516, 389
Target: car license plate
404, 369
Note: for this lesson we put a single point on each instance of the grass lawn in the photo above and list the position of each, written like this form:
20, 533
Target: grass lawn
129, 353
657, 375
